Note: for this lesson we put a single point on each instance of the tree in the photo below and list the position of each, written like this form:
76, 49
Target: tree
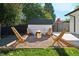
9, 13
49, 11
66, 20
33, 10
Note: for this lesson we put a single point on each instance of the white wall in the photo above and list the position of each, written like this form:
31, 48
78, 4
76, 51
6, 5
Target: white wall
71, 24
43, 28
77, 22
76, 14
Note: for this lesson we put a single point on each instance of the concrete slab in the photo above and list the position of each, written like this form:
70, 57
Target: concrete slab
67, 36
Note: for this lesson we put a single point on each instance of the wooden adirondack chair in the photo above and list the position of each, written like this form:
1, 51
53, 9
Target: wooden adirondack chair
49, 32
20, 38
56, 39
64, 43
61, 42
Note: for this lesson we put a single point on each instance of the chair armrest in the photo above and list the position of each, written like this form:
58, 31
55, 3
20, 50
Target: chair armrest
11, 43
24, 37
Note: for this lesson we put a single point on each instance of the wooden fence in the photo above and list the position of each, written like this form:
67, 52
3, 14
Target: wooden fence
59, 27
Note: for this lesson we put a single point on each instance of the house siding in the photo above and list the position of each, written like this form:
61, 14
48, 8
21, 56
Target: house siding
71, 24
76, 14
77, 24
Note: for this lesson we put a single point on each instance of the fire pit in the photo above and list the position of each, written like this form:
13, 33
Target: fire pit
38, 34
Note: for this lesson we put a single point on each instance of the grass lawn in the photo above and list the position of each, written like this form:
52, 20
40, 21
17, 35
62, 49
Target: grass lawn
41, 52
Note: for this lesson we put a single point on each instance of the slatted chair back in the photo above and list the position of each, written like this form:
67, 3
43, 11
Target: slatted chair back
49, 32
59, 37
19, 37
64, 43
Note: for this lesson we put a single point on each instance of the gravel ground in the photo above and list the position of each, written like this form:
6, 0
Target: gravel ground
44, 42
31, 41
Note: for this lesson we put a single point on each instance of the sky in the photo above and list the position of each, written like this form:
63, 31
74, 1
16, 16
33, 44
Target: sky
60, 9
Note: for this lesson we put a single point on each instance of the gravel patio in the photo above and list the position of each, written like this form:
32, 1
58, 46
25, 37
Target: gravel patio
44, 42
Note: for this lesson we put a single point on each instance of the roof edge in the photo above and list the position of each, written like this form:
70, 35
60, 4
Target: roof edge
72, 12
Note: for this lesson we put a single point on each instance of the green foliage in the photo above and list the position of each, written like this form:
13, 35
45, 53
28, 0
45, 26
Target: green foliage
67, 20
49, 11
33, 10
36, 10
9, 13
